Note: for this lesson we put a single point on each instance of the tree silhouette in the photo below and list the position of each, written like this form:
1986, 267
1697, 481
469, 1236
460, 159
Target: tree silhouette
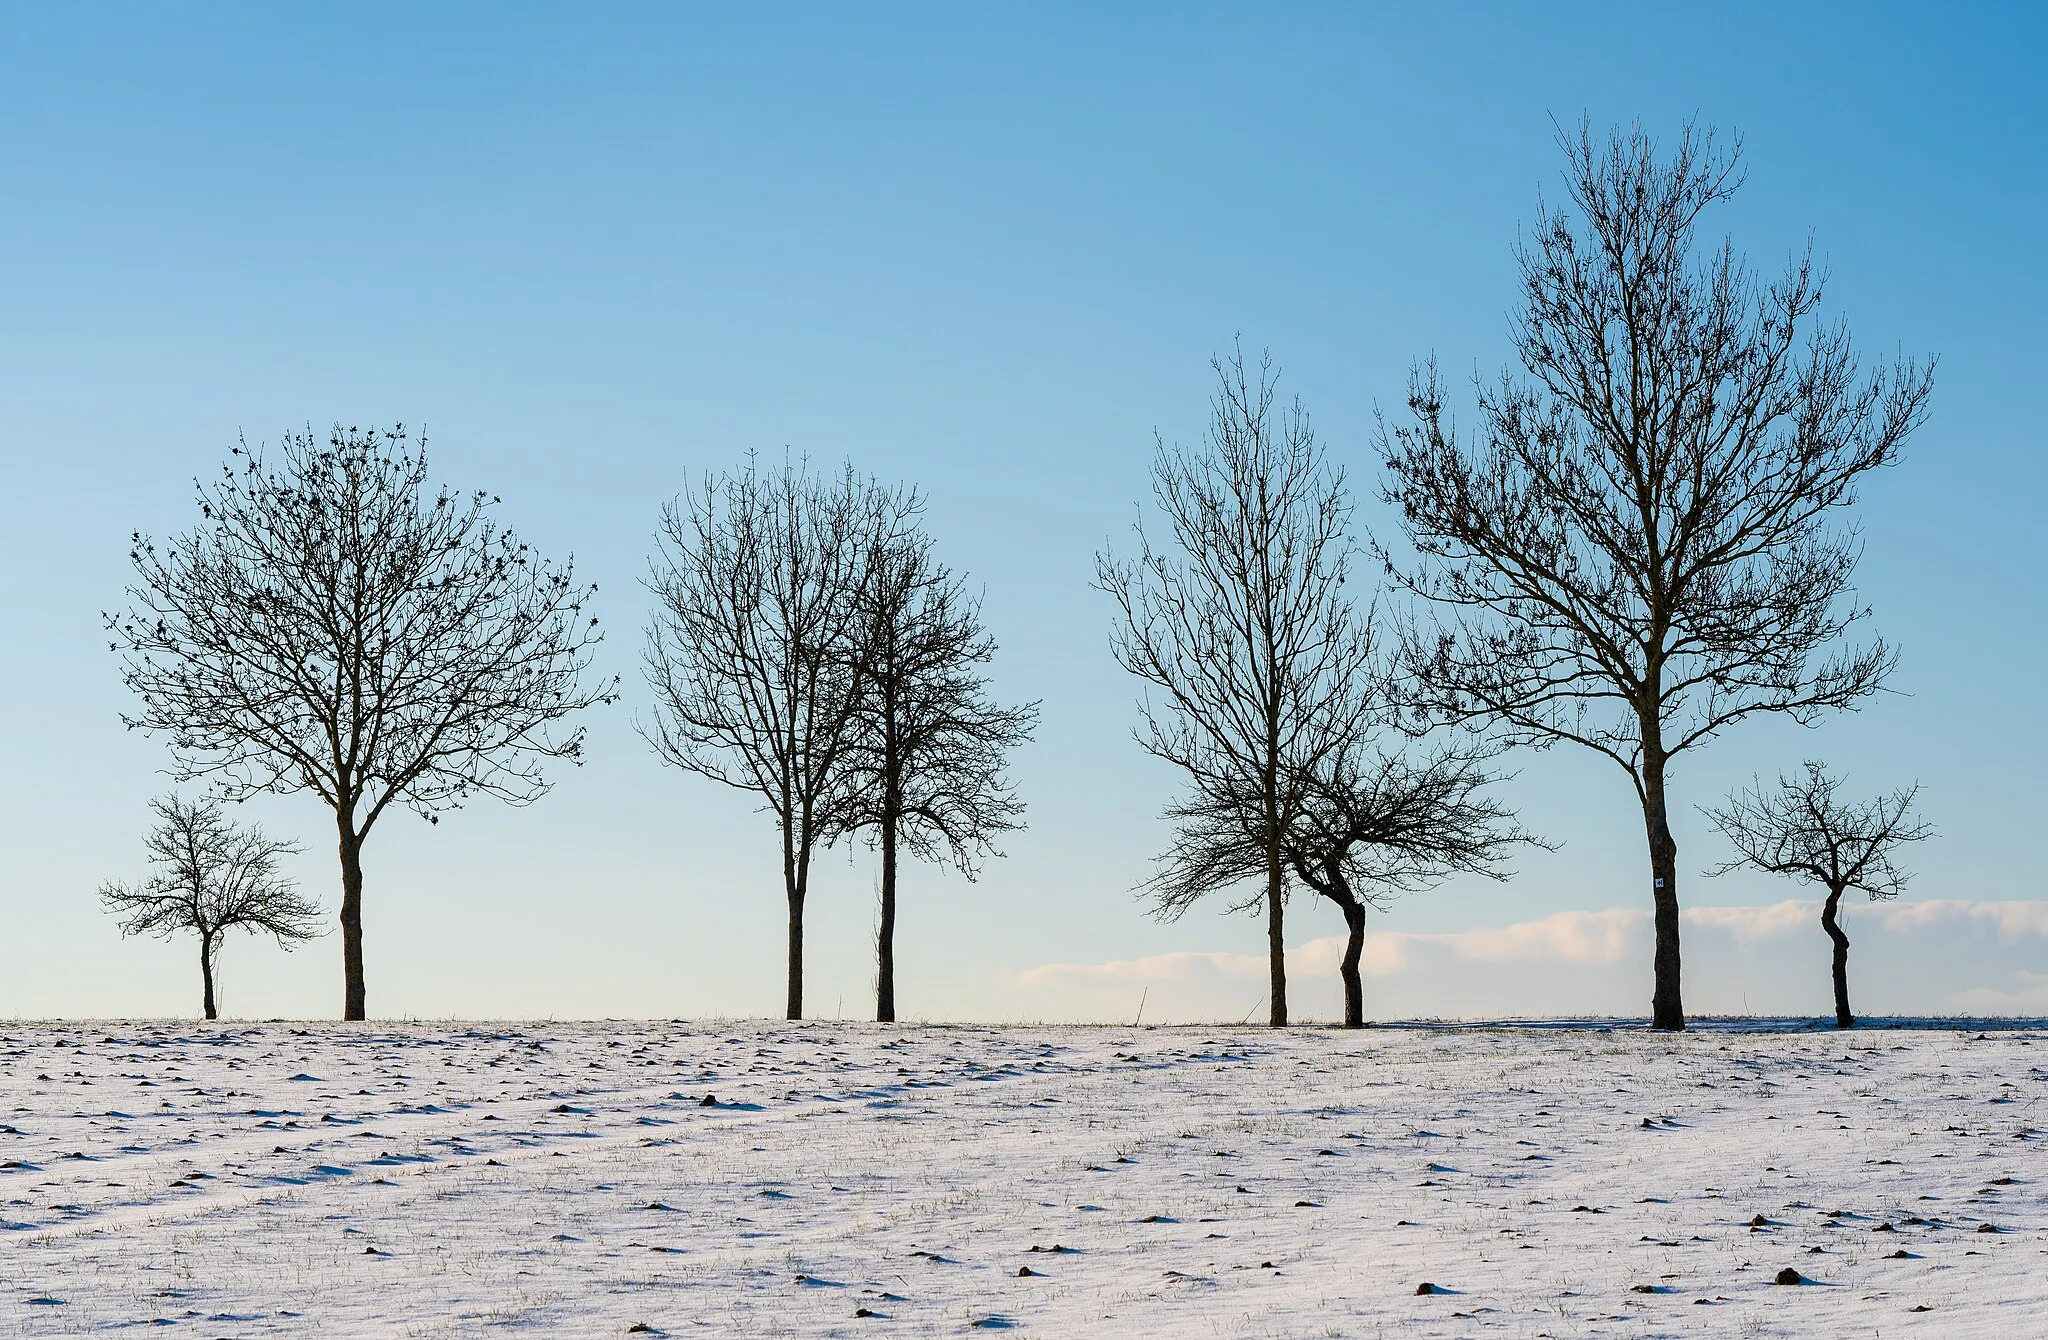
1803, 828
759, 579
1382, 824
337, 626
1634, 550
925, 766
1372, 824
1243, 624
211, 877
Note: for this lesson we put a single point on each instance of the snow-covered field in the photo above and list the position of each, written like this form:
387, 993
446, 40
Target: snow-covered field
573, 1179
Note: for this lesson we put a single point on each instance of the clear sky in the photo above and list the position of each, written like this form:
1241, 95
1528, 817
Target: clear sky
989, 250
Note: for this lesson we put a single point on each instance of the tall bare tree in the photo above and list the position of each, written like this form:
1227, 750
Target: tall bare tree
211, 877
1636, 547
926, 768
1241, 621
1803, 828
336, 625
760, 579
1373, 823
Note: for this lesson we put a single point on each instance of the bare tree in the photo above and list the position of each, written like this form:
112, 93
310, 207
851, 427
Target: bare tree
759, 582
337, 626
1635, 550
1803, 828
1243, 624
211, 877
1372, 824
926, 767
1381, 824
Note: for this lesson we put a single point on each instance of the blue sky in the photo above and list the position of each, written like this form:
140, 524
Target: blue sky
988, 251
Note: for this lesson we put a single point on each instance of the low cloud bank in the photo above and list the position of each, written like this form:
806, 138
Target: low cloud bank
1933, 957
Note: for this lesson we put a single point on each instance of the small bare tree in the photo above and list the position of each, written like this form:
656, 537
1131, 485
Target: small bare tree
337, 626
1243, 623
1803, 828
1380, 824
1372, 824
211, 877
1634, 551
925, 770
759, 581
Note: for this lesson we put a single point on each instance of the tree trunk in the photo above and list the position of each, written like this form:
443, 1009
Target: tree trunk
1833, 926
793, 1007
1276, 944
1667, 1008
885, 938
1354, 948
353, 1008
206, 975
795, 874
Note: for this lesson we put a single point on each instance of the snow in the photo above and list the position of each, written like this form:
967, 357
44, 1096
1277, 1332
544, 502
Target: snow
455, 1180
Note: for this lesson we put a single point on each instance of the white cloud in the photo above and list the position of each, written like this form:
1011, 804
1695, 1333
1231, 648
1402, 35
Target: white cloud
1794, 916
1940, 956
2030, 996
1565, 937
2014, 918
1180, 966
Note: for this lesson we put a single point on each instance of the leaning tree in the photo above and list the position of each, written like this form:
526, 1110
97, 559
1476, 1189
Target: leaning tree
1805, 829
211, 877
1242, 623
337, 625
926, 768
1372, 823
759, 582
1637, 546
1377, 824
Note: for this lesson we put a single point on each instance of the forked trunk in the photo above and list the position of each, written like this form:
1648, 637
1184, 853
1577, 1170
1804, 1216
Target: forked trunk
885, 937
206, 974
1667, 1008
1354, 949
1831, 923
353, 1007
